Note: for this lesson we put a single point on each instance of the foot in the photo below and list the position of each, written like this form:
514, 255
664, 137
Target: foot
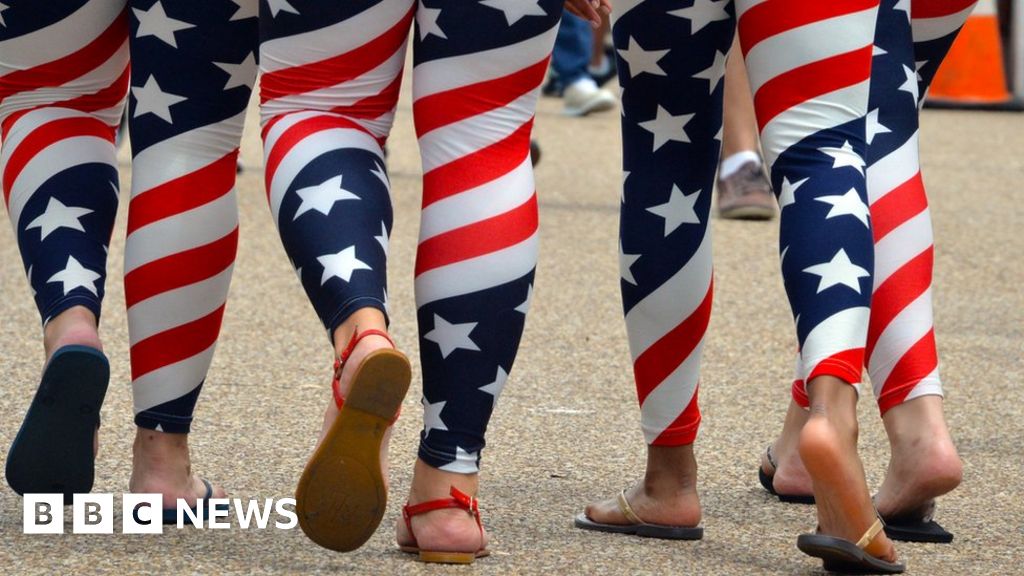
161, 465
745, 193
828, 447
924, 463
789, 476
75, 326
667, 496
450, 530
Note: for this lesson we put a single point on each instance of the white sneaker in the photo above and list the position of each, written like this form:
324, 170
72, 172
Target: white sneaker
583, 97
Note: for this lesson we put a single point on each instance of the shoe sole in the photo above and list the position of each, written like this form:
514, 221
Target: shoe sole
597, 105
748, 213
341, 496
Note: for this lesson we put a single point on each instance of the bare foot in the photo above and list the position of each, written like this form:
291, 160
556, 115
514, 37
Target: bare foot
924, 463
161, 465
789, 476
667, 496
449, 530
828, 447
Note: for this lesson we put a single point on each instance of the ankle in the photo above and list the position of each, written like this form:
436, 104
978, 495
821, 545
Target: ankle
76, 325
671, 470
160, 454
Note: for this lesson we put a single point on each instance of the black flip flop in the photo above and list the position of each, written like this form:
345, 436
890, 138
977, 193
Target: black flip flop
923, 529
768, 483
846, 557
638, 527
53, 451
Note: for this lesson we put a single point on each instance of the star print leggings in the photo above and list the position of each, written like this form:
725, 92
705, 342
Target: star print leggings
809, 65
330, 83
64, 75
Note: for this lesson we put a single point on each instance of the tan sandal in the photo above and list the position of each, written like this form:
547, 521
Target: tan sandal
841, 555
342, 495
638, 527
458, 500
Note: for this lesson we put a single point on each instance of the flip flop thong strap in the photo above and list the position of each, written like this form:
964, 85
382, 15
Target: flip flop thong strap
771, 459
870, 534
627, 510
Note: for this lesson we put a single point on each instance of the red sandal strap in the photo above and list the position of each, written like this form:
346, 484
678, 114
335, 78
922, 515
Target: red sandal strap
459, 500
339, 362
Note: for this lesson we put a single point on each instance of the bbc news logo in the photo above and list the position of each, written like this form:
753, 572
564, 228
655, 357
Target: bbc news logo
143, 514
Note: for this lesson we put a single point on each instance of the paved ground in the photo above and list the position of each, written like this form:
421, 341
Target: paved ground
567, 427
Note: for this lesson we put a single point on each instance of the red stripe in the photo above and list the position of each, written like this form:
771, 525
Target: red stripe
177, 344
807, 82
337, 69
299, 132
899, 205
375, 106
270, 125
181, 269
457, 104
47, 135
183, 193
933, 9
106, 98
480, 167
683, 430
905, 285
662, 358
847, 365
774, 17
63, 70
799, 394
919, 361
480, 238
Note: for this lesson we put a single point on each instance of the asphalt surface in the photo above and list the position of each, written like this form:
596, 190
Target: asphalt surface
567, 427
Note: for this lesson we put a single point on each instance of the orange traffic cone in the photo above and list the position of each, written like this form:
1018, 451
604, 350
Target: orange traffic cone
973, 73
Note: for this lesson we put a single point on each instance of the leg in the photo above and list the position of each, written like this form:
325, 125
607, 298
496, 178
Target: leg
475, 91
63, 77
671, 72
190, 88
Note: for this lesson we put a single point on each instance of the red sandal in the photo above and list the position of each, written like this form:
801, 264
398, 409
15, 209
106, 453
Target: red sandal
458, 500
342, 495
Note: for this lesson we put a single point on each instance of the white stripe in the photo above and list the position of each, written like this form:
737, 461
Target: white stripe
53, 159
171, 381
476, 274
29, 123
448, 143
811, 116
310, 148
927, 29
177, 307
901, 245
185, 153
890, 172
902, 332
448, 73
191, 229
486, 201
62, 38
666, 402
844, 330
930, 385
282, 125
334, 40
801, 46
672, 302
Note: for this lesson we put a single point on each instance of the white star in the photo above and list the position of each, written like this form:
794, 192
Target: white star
74, 275
877, 51
30, 286
903, 5
381, 174
322, 197
910, 84
525, 306
845, 156
341, 265
150, 99
839, 270
787, 195
57, 215
384, 239
702, 13
241, 74
875, 127
667, 127
714, 73
426, 21
626, 262
516, 10
464, 463
246, 9
451, 337
718, 136
495, 388
625, 176
848, 204
155, 22
278, 6
640, 60
432, 416
2, 8
678, 210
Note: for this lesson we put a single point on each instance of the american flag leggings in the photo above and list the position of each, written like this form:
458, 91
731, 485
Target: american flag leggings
810, 69
331, 74
64, 76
